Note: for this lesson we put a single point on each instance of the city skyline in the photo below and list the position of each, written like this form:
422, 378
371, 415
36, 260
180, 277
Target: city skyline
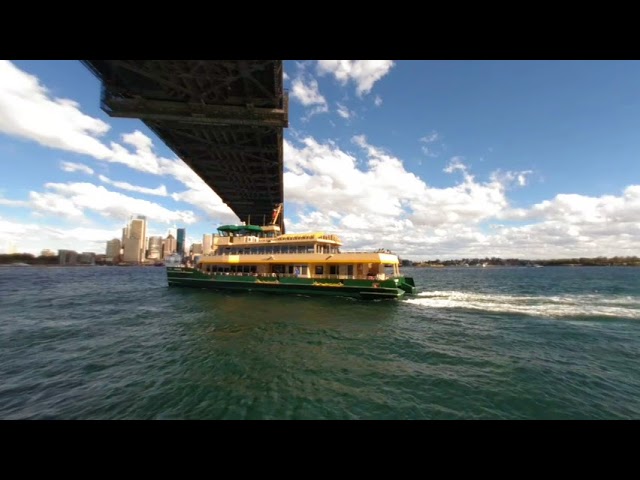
153, 245
432, 159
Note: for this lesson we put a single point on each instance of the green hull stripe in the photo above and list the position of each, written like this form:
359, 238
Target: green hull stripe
186, 277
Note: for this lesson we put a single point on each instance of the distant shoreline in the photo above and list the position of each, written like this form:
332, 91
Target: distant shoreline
50, 265
520, 266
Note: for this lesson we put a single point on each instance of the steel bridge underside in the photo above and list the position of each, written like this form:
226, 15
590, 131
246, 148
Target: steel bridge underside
224, 119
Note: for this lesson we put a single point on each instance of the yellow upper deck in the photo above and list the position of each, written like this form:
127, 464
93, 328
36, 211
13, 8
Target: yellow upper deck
310, 258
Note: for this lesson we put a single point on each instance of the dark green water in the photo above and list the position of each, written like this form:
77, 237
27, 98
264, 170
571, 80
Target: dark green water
476, 343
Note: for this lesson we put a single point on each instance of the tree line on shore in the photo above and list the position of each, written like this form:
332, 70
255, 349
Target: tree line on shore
517, 262
30, 259
7, 258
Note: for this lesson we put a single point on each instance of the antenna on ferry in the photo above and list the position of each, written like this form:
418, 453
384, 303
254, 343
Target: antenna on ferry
276, 213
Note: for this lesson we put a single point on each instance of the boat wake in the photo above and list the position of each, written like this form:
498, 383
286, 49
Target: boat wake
591, 305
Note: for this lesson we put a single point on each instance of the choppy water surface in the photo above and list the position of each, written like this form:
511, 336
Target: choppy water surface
475, 343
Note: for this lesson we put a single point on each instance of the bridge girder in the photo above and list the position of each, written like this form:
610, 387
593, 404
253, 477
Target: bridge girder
223, 118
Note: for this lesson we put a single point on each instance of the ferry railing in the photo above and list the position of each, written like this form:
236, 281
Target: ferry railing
293, 275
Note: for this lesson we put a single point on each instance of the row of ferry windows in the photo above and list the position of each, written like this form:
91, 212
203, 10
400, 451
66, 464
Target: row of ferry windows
273, 249
282, 269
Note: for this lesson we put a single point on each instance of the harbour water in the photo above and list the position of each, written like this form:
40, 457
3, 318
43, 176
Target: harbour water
475, 343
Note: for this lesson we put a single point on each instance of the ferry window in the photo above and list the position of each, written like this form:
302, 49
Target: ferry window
304, 269
333, 269
291, 269
319, 269
310, 249
350, 270
253, 269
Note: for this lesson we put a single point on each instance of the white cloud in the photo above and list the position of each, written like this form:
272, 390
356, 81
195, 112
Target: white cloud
49, 202
429, 139
344, 112
13, 203
377, 101
322, 176
509, 177
33, 238
427, 151
455, 164
366, 200
307, 93
160, 191
315, 111
28, 111
212, 205
364, 73
72, 199
76, 167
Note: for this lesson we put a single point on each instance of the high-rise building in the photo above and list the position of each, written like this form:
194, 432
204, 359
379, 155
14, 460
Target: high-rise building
87, 258
113, 250
155, 248
169, 246
180, 241
207, 242
48, 253
196, 248
125, 234
68, 257
131, 250
135, 242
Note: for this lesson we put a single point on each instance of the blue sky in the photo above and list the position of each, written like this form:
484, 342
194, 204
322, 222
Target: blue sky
432, 159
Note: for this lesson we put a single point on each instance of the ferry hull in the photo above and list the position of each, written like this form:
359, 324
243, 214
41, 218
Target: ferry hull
366, 289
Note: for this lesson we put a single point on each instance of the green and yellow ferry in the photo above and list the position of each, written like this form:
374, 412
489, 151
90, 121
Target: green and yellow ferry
260, 258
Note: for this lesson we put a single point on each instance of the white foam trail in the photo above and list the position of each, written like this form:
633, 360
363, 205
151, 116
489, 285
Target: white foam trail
591, 305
